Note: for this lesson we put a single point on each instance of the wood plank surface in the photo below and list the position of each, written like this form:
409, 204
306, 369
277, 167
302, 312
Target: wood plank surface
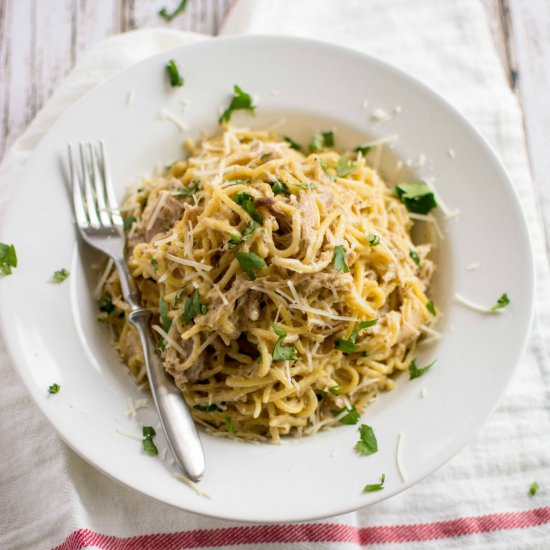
41, 40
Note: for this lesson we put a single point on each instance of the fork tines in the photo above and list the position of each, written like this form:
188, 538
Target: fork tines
95, 203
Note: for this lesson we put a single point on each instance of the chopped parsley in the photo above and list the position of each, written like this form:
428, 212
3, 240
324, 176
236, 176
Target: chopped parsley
339, 261
430, 306
60, 276
367, 443
335, 390
238, 182
293, 144
279, 188
534, 488
174, 75
282, 352
54, 388
193, 307
128, 222
240, 100
177, 296
229, 425
148, 444
250, 263
325, 167
207, 408
169, 16
415, 257
362, 149
502, 302
344, 167
416, 372
8, 258
371, 488
349, 345
320, 141
155, 264
416, 196
188, 191
306, 186
266, 156
164, 317
374, 240
352, 417
247, 233
246, 202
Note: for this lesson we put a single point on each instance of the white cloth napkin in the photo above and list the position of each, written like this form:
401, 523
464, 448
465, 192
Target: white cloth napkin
479, 499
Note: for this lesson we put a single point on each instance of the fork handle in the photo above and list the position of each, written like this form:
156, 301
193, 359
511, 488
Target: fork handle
175, 417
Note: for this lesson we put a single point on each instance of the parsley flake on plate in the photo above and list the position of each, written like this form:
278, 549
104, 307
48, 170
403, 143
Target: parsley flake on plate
60, 276
240, 100
348, 345
163, 12
54, 388
148, 444
416, 196
362, 149
415, 257
293, 144
367, 443
8, 258
321, 141
193, 307
352, 416
176, 80
371, 488
416, 372
339, 261
281, 352
502, 302
246, 202
247, 233
430, 306
250, 263
344, 167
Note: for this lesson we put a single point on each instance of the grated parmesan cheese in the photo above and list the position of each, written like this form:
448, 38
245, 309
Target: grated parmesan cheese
130, 435
423, 393
399, 458
191, 484
162, 201
170, 341
379, 116
165, 114
130, 97
476, 307
472, 267
451, 153
99, 288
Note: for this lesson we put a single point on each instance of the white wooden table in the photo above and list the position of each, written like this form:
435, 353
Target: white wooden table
41, 40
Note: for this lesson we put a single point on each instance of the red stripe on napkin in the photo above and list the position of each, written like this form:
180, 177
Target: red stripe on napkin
312, 532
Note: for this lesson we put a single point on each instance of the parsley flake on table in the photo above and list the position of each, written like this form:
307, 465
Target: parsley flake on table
416, 372
533, 489
250, 263
321, 141
367, 443
240, 100
352, 416
188, 191
430, 306
193, 307
8, 258
148, 444
282, 352
502, 302
373, 240
54, 388
339, 261
163, 12
371, 488
348, 345
176, 80
60, 276
293, 144
344, 167
416, 196
234, 240
246, 202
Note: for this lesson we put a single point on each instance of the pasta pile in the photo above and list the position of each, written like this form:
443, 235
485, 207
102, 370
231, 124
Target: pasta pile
282, 285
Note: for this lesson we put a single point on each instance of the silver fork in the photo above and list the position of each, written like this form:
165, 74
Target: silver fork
101, 226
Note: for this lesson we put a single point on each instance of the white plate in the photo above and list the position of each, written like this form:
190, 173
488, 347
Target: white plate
51, 330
